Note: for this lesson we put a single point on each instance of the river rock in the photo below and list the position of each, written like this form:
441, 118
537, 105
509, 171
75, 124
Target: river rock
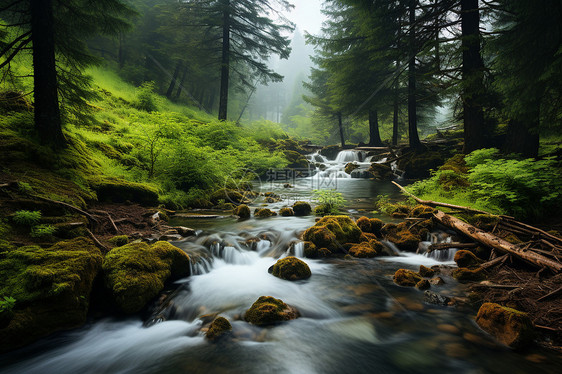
370, 225
401, 236
51, 286
268, 310
509, 326
136, 272
264, 213
242, 211
468, 275
185, 231
426, 272
423, 284
436, 299
302, 208
286, 212
332, 232
466, 259
219, 328
363, 250
406, 278
291, 268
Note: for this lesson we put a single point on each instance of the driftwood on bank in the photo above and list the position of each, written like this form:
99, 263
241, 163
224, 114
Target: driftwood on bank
499, 244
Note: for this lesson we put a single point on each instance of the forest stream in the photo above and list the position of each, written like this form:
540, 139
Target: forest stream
353, 318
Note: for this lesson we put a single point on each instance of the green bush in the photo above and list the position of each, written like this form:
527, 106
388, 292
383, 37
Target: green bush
27, 217
7, 304
330, 201
145, 98
40, 231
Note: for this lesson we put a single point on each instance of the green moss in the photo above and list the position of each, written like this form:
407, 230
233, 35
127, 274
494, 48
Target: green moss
120, 191
136, 272
381, 171
291, 268
268, 310
466, 259
119, 240
302, 208
264, 213
330, 151
468, 275
420, 163
52, 288
362, 250
350, 167
423, 285
370, 225
422, 211
242, 211
509, 326
218, 328
426, 272
286, 212
406, 278
402, 237
343, 227
227, 195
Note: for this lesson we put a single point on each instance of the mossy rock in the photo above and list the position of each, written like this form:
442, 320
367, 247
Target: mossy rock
51, 286
302, 208
406, 278
119, 240
14, 101
242, 211
350, 167
370, 225
423, 285
402, 237
136, 272
264, 213
321, 237
466, 259
120, 191
330, 151
468, 275
228, 195
286, 212
422, 211
381, 171
509, 326
296, 160
291, 268
311, 251
268, 310
343, 227
426, 272
362, 250
219, 328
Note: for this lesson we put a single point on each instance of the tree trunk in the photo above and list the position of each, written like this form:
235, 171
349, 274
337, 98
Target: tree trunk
523, 137
340, 124
473, 78
174, 79
497, 243
374, 134
120, 53
47, 111
182, 82
413, 137
225, 61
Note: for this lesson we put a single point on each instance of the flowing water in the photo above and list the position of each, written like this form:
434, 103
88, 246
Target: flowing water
354, 319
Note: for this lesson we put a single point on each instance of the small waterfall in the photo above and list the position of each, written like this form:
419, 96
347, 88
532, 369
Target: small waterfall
445, 255
317, 157
350, 156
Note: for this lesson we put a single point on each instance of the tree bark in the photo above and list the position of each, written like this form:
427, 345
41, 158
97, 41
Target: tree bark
413, 136
374, 133
225, 61
473, 78
497, 243
47, 112
174, 79
182, 82
340, 125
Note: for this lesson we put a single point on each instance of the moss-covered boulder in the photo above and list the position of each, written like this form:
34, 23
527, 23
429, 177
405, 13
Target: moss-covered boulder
296, 160
286, 212
119, 240
423, 285
330, 151
422, 211
228, 195
420, 163
136, 273
291, 268
350, 167
120, 191
468, 275
264, 213
466, 259
370, 225
268, 310
509, 326
242, 211
362, 250
311, 251
402, 236
406, 278
426, 272
219, 328
51, 286
302, 208
381, 171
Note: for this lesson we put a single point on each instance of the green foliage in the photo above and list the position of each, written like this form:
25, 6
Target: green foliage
27, 217
330, 201
525, 188
145, 98
41, 231
7, 304
24, 187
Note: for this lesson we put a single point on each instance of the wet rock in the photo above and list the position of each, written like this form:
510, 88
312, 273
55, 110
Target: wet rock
466, 259
268, 310
437, 281
228, 196
302, 208
426, 272
264, 213
468, 275
350, 167
406, 278
362, 250
119, 240
219, 328
509, 326
136, 273
242, 211
423, 284
401, 236
370, 225
436, 299
291, 268
450, 329
330, 151
381, 171
286, 212
456, 350
185, 231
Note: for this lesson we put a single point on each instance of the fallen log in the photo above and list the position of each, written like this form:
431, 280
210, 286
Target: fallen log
499, 244
494, 262
444, 246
